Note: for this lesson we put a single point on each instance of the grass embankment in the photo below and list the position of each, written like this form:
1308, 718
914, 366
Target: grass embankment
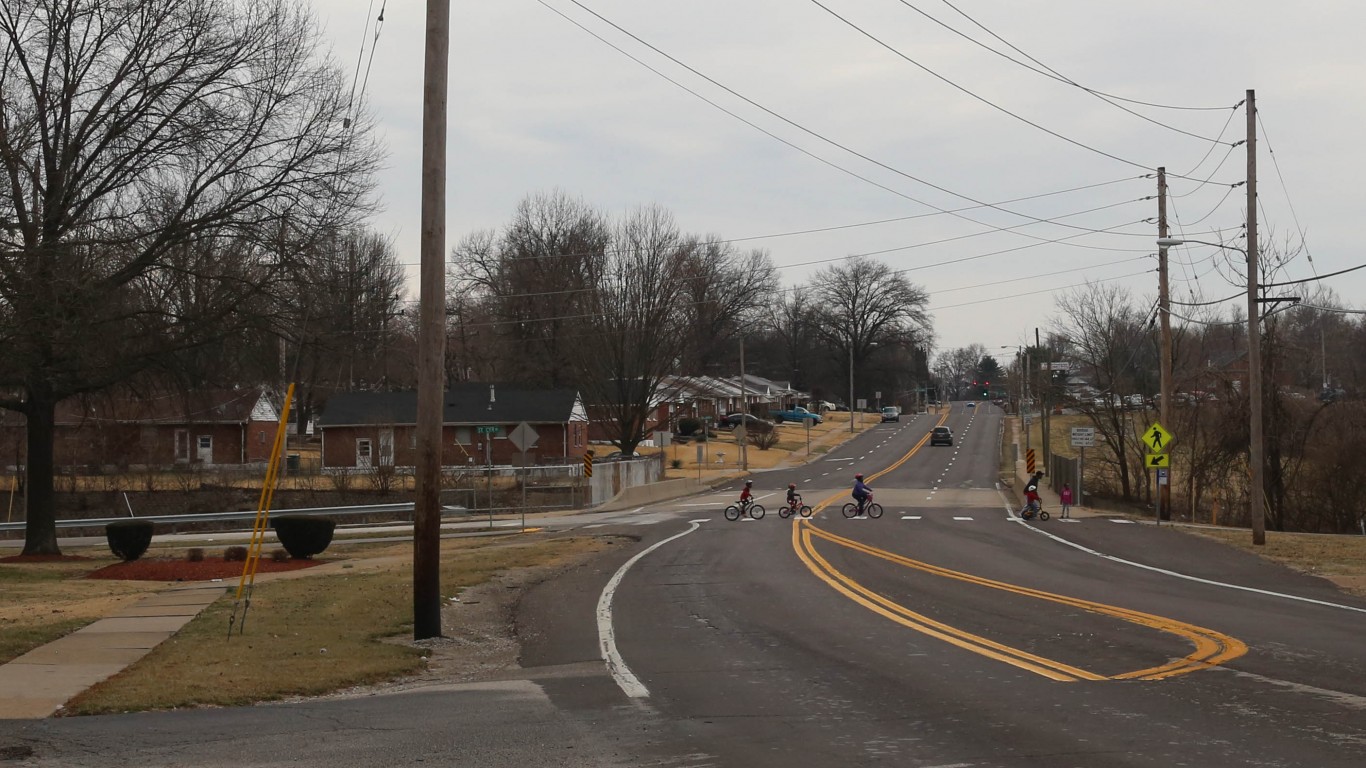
1340, 559
315, 632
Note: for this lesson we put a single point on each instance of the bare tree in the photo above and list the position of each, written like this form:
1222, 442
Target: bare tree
535, 280
723, 292
1104, 333
633, 326
864, 306
149, 151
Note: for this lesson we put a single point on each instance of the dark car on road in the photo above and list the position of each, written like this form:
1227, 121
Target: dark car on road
941, 436
890, 414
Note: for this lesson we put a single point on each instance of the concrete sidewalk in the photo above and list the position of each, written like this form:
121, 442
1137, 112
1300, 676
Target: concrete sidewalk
1048, 496
38, 683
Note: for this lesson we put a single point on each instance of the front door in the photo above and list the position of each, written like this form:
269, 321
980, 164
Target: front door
386, 447
182, 446
363, 453
204, 454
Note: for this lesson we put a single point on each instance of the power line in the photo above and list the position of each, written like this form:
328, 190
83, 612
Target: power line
1072, 82
1049, 72
1285, 190
976, 96
1045, 290
789, 122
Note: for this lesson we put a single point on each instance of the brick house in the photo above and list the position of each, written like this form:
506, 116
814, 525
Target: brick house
368, 429
209, 428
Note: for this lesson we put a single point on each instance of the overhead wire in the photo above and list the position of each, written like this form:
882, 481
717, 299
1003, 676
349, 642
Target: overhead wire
789, 122
1049, 72
1072, 82
1275, 163
975, 95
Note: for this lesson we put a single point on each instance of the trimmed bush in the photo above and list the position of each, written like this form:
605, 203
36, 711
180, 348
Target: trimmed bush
689, 425
303, 537
279, 555
195, 554
129, 539
235, 554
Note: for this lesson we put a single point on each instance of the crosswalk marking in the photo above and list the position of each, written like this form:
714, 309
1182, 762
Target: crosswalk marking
1118, 520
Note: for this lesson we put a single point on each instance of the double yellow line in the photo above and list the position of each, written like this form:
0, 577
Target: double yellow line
1211, 648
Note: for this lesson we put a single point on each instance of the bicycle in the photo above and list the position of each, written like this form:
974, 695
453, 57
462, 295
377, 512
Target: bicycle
868, 507
797, 508
734, 512
1034, 508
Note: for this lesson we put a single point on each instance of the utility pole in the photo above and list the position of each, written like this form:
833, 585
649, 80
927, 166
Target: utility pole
743, 427
1164, 497
432, 328
1045, 439
1257, 492
851, 379
1024, 408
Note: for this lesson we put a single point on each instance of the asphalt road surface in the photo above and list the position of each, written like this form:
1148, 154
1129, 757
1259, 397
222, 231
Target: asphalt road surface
946, 633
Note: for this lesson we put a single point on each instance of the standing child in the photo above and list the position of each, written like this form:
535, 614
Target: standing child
1065, 497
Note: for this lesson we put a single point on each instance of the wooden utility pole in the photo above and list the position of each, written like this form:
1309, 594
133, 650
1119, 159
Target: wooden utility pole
1257, 491
431, 340
1164, 308
1045, 439
743, 427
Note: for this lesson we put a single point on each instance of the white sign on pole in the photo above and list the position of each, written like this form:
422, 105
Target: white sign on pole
524, 437
861, 403
1083, 437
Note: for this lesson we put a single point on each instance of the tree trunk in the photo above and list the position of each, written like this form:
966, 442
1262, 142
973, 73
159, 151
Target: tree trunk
40, 531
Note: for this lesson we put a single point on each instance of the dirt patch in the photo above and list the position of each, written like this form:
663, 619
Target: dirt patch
166, 569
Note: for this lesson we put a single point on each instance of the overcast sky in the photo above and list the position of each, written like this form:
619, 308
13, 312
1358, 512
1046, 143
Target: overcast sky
884, 114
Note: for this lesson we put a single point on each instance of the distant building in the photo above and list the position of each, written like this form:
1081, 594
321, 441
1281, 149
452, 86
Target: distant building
369, 429
124, 430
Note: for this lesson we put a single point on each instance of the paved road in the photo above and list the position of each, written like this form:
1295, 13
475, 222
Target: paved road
945, 633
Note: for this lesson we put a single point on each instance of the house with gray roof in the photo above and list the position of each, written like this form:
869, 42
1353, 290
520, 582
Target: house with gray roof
361, 430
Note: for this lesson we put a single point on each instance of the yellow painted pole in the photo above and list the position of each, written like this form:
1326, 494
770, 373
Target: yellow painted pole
258, 529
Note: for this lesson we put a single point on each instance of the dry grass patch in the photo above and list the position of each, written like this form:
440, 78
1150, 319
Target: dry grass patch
41, 602
309, 635
1340, 559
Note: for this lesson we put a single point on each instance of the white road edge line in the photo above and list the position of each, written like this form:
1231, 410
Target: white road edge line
1010, 514
607, 639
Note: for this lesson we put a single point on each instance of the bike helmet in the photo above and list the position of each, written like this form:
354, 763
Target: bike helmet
791, 485
858, 477
749, 482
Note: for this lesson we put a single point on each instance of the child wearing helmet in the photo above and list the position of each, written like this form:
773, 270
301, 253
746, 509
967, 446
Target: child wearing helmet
793, 498
861, 491
747, 494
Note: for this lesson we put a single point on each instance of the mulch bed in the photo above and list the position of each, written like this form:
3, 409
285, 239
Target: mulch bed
165, 569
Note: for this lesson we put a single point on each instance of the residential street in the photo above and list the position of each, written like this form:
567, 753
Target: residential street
944, 633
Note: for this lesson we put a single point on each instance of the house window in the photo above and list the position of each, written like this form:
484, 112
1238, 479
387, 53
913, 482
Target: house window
578, 435
412, 438
463, 435
205, 442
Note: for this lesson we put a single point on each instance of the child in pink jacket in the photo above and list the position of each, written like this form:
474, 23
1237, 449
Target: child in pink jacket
1065, 497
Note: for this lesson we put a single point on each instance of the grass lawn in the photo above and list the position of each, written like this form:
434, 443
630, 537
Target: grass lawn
312, 634
41, 602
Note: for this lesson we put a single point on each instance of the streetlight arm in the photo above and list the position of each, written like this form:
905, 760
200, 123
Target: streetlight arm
1168, 242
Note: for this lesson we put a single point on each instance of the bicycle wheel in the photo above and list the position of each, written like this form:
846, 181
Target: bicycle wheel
732, 513
1043, 514
756, 511
783, 512
806, 511
874, 510
850, 509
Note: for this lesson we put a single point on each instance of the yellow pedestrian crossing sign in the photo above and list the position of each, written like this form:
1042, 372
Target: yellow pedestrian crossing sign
1159, 460
1157, 438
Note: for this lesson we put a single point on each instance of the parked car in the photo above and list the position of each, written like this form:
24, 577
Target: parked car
752, 423
890, 414
619, 456
794, 414
941, 436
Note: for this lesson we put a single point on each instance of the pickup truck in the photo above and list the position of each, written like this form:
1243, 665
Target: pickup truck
794, 414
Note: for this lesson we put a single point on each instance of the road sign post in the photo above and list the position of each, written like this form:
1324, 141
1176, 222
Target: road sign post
1158, 440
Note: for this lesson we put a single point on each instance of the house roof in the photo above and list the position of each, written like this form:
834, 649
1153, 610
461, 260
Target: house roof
465, 403
214, 406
